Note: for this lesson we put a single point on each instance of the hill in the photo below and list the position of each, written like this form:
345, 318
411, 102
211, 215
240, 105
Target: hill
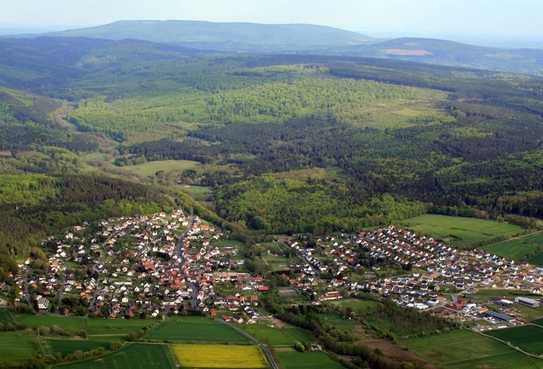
224, 36
451, 53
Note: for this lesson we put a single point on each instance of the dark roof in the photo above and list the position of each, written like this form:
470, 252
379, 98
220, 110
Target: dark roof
499, 316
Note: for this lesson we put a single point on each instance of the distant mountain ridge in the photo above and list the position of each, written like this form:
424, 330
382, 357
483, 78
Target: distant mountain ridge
225, 36
308, 39
451, 53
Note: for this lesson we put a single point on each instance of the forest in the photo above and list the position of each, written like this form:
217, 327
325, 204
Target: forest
282, 143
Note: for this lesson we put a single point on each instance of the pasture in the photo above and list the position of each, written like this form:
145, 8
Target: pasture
16, 348
195, 329
526, 248
529, 338
463, 349
306, 360
462, 232
285, 336
150, 168
132, 356
357, 305
219, 356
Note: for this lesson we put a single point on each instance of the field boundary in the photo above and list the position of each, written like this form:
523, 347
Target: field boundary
265, 349
510, 345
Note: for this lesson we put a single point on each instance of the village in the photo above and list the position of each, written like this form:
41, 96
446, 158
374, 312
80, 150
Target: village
170, 264
416, 272
144, 266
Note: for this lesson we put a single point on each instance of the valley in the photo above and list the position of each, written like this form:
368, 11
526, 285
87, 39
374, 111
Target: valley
174, 204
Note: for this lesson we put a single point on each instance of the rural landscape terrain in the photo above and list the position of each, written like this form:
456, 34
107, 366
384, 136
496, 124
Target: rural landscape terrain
205, 195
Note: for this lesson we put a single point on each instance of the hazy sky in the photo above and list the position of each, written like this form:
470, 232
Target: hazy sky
513, 18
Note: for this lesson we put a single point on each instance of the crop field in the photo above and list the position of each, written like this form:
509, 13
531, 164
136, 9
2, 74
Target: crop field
195, 329
527, 248
219, 356
286, 336
462, 232
307, 360
63, 346
132, 356
16, 347
529, 338
463, 349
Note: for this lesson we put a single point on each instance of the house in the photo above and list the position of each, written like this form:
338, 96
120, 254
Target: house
331, 296
528, 301
43, 303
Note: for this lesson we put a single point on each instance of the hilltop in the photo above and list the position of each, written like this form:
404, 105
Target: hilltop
224, 36
444, 52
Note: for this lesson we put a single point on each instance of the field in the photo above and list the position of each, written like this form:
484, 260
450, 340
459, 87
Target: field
72, 323
219, 356
16, 347
529, 338
63, 346
195, 329
199, 193
462, 232
105, 328
167, 166
527, 248
6, 316
468, 350
306, 360
132, 356
286, 336
358, 306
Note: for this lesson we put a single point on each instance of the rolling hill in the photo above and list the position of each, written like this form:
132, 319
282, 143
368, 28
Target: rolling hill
451, 53
224, 36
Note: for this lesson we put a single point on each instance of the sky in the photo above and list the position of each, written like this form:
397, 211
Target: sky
463, 18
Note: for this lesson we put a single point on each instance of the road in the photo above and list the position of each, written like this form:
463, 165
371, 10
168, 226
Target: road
184, 268
263, 347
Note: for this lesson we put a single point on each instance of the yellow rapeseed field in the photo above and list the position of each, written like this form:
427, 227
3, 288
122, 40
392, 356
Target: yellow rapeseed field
219, 356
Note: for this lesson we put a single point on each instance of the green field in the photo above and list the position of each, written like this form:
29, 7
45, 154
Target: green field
468, 350
306, 360
63, 346
6, 316
166, 166
195, 329
462, 232
529, 338
526, 248
132, 356
105, 328
356, 305
17, 347
286, 336
69, 323
198, 193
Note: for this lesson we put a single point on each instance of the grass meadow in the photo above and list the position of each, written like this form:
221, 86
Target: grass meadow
462, 232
